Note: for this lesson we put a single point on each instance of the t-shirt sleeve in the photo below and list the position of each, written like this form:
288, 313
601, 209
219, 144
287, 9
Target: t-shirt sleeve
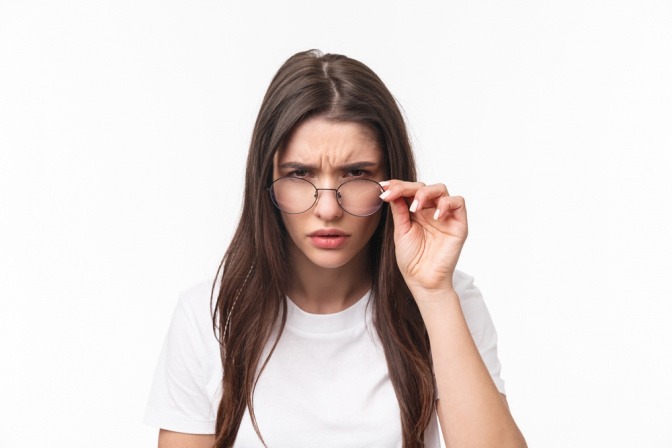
179, 400
480, 325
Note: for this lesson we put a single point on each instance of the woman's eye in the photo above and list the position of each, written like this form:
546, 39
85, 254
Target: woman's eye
298, 173
358, 173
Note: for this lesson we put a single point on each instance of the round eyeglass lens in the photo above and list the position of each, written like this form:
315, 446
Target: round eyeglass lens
360, 197
293, 195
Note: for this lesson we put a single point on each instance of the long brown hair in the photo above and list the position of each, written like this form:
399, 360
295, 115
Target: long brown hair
251, 297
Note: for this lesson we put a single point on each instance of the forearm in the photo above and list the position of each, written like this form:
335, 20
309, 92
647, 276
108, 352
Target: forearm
171, 439
470, 408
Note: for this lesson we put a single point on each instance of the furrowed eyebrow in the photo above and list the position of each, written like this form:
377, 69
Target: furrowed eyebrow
297, 166
347, 167
357, 166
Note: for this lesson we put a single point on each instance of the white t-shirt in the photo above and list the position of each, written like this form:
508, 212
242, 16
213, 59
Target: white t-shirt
326, 384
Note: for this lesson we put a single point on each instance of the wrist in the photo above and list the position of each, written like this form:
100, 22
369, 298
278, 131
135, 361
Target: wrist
439, 308
435, 296
431, 286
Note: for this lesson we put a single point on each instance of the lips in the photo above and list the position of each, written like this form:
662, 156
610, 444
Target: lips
328, 232
328, 238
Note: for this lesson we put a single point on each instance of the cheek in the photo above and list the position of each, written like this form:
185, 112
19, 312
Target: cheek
291, 223
372, 225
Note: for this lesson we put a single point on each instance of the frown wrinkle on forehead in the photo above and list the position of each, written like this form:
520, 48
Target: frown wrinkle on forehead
329, 145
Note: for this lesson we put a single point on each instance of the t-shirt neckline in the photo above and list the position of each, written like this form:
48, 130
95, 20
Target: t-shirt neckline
351, 317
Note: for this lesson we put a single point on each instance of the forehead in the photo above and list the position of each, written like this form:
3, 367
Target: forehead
320, 141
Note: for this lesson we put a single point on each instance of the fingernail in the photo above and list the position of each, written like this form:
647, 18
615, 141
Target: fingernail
385, 194
414, 206
384, 183
437, 213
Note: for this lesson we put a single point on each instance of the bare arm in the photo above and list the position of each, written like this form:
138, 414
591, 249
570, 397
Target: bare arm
429, 236
471, 410
171, 439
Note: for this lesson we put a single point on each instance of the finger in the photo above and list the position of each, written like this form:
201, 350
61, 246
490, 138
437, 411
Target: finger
401, 217
424, 196
428, 197
395, 189
451, 205
393, 194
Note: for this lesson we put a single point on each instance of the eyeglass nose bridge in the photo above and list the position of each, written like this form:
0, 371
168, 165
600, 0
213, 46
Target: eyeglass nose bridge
335, 190
339, 198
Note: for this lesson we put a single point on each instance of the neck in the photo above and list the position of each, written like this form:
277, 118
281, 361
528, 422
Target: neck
320, 290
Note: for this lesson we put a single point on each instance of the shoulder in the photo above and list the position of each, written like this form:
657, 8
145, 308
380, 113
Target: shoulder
195, 307
197, 296
183, 397
480, 324
465, 287
473, 306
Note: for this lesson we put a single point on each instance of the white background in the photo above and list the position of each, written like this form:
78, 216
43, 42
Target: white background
124, 128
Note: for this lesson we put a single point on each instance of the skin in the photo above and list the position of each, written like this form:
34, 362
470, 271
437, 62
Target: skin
328, 154
430, 231
171, 439
429, 236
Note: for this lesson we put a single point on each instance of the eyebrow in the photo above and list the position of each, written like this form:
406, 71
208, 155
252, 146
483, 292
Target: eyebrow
346, 167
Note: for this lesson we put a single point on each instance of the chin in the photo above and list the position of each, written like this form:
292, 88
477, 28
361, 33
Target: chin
328, 258
332, 260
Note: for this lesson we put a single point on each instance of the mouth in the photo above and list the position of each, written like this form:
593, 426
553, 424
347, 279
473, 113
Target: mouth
328, 238
328, 233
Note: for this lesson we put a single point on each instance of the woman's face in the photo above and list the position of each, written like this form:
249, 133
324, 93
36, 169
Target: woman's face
329, 153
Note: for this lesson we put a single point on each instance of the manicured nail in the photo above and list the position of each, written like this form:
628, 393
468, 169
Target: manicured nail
384, 183
414, 206
437, 213
385, 194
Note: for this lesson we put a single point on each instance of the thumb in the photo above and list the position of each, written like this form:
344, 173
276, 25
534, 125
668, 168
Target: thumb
400, 216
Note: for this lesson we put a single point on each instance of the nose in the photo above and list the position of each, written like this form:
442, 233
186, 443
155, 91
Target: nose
327, 207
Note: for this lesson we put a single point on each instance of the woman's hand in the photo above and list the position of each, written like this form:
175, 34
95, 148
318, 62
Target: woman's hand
428, 234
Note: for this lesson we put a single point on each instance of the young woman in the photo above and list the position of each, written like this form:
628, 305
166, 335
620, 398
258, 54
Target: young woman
338, 319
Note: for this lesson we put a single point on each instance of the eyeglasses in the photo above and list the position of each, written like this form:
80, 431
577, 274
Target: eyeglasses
359, 197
